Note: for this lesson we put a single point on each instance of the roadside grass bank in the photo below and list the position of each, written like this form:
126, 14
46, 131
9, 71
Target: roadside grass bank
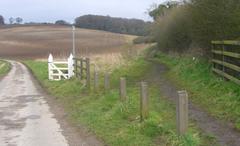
4, 67
116, 122
217, 96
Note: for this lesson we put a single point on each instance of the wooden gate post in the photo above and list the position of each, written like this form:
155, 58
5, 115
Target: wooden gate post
182, 112
123, 92
81, 69
107, 81
76, 67
96, 85
144, 112
88, 73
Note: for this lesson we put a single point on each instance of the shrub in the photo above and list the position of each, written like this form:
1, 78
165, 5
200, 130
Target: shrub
214, 20
172, 32
194, 24
143, 40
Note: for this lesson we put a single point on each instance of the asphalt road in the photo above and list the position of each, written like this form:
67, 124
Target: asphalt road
25, 117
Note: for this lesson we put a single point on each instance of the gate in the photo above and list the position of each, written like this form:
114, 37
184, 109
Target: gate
58, 70
82, 69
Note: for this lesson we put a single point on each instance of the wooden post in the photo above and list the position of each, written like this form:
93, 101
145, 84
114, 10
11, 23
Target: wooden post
76, 68
81, 69
107, 81
213, 57
96, 85
88, 73
144, 112
223, 60
182, 112
123, 92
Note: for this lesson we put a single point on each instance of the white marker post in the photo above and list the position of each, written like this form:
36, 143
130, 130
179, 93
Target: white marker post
50, 71
73, 41
70, 66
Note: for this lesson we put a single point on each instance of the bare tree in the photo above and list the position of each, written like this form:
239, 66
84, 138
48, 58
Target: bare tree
1, 20
11, 20
19, 20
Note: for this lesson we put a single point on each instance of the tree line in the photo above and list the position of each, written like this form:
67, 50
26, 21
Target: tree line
193, 24
106, 23
12, 20
19, 20
112, 24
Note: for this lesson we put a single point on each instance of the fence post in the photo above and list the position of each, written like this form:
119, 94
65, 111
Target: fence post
88, 73
81, 68
144, 101
123, 92
70, 66
107, 81
213, 57
182, 112
223, 59
96, 85
75, 67
50, 71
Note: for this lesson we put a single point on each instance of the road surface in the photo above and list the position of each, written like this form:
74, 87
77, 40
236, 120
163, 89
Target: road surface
25, 117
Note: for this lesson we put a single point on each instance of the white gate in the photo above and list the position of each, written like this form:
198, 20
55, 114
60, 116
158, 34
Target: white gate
58, 70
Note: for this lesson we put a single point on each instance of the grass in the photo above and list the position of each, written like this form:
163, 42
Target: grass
4, 68
118, 123
219, 97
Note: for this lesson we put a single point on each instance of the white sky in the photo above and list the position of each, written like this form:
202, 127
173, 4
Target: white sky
52, 10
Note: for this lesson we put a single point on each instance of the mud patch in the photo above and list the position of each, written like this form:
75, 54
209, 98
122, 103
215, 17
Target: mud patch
13, 124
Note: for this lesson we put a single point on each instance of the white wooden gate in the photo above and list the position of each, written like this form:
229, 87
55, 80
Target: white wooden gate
58, 70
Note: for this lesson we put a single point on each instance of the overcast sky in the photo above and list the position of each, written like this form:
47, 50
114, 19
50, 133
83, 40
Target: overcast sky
52, 10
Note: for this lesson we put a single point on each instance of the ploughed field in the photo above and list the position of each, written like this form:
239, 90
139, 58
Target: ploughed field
38, 41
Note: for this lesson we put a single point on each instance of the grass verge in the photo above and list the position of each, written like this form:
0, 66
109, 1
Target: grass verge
116, 122
219, 97
4, 68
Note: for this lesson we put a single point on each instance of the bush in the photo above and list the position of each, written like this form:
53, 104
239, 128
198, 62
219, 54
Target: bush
214, 20
172, 32
62, 22
143, 40
196, 23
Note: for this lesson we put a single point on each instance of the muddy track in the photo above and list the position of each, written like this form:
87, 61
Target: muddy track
224, 133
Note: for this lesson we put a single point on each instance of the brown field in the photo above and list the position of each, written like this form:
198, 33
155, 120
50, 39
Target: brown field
37, 42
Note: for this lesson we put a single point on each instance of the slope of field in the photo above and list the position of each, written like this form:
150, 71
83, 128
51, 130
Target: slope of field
39, 41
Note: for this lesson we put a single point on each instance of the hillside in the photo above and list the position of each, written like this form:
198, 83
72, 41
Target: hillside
38, 41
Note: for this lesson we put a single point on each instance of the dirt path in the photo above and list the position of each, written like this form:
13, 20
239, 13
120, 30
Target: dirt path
26, 118
225, 134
